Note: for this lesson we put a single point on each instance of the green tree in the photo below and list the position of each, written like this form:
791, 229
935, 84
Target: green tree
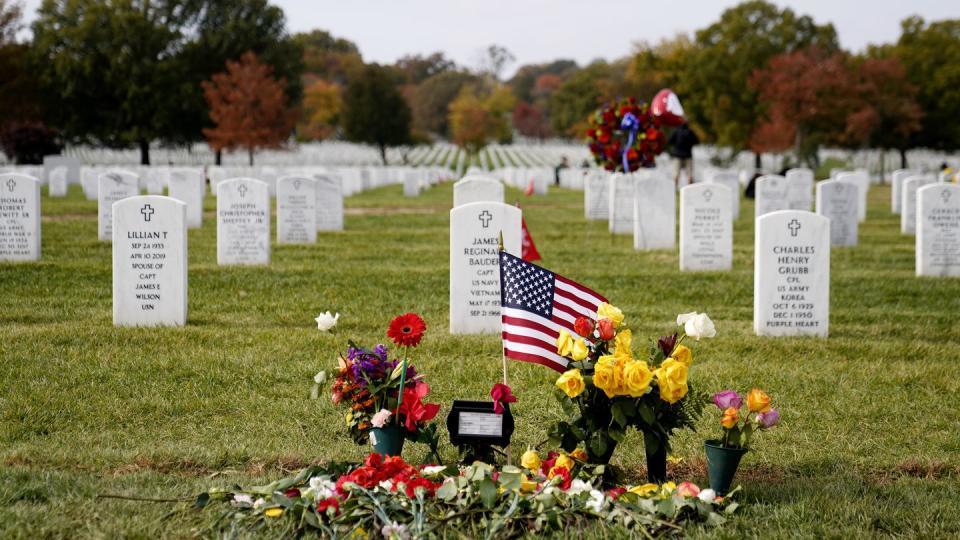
430, 100
417, 68
714, 81
375, 112
579, 96
329, 58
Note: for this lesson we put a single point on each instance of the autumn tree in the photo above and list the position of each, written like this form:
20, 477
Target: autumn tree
320, 111
417, 68
248, 108
580, 95
430, 102
375, 112
329, 58
530, 121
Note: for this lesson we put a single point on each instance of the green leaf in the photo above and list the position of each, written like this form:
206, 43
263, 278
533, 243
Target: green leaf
617, 434
598, 444
447, 492
618, 416
646, 413
488, 493
651, 443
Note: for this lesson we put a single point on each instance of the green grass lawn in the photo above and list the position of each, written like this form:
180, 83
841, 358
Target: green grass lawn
869, 443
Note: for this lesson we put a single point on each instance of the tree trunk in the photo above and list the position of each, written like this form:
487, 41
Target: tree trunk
250, 153
383, 153
218, 157
903, 158
883, 155
144, 152
757, 162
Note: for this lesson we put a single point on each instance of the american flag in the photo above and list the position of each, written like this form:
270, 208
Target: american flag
535, 305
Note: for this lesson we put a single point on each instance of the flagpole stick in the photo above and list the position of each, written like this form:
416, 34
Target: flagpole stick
503, 355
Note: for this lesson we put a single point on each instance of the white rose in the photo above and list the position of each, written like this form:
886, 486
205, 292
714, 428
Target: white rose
326, 321
699, 326
596, 501
707, 495
684, 317
431, 470
578, 486
320, 377
242, 498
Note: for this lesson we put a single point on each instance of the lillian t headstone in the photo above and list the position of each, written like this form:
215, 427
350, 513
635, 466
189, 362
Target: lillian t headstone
655, 213
621, 203
791, 280
938, 230
149, 261
477, 188
329, 203
243, 222
112, 187
475, 230
706, 228
908, 204
189, 186
296, 210
839, 201
19, 217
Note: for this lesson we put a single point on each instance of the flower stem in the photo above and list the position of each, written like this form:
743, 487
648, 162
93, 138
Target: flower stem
403, 380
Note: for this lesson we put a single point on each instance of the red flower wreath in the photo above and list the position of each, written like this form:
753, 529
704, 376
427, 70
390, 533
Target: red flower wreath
607, 138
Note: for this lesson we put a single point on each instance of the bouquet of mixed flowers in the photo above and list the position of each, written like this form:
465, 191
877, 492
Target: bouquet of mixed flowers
607, 390
380, 392
738, 429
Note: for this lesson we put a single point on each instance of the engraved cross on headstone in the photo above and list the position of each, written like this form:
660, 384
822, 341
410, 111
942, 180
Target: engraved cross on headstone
296, 184
707, 195
485, 218
147, 212
11, 183
794, 227
243, 190
945, 195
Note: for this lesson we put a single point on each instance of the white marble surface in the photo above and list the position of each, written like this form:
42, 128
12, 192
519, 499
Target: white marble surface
908, 201
800, 189
791, 281
477, 188
57, 181
655, 213
149, 261
706, 228
896, 184
19, 217
112, 186
596, 196
243, 222
731, 181
839, 201
296, 210
938, 230
189, 186
475, 230
770, 194
621, 203
73, 167
862, 180
329, 203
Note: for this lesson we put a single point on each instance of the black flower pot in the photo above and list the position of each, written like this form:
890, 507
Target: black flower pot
657, 465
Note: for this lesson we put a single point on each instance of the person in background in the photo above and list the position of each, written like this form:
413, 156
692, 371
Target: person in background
681, 142
556, 171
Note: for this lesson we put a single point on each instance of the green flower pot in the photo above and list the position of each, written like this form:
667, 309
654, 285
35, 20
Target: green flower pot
387, 441
722, 465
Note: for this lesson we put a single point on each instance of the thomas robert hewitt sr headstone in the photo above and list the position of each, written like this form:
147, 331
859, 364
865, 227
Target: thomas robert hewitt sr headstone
655, 213
706, 228
243, 222
771, 194
149, 261
189, 186
839, 201
908, 204
596, 195
475, 263
791, 274
19, 218
329, 203
112, 187
477, 188
621, 203
296, 210
938, 230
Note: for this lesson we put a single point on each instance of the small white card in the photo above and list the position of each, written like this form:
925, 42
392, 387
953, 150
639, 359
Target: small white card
485, 424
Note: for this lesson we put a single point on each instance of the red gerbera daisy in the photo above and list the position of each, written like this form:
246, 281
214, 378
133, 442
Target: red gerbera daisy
406, 330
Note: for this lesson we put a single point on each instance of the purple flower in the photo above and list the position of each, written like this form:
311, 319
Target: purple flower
381, 351
667, 343
726, 399
768, 419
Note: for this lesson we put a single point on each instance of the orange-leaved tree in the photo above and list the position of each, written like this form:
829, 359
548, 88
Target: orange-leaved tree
248, 107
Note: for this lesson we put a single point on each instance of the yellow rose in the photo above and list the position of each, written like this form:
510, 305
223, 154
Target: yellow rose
530, 460
758, 401
564, 461
644, 490
527, 485
273, 512
637, 377
571, 382
564, 343
683, 354
622, 344
606, 311
667, 488
579, 455
604, 375
580, 350
672, 380
730, 417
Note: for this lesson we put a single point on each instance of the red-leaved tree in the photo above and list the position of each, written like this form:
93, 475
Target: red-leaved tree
248, 107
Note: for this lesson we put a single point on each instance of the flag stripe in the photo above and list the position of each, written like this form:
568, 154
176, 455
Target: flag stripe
530, 333
522, 318
528, 353
563, 319
524, 339
577, 309
573, 286
573, 298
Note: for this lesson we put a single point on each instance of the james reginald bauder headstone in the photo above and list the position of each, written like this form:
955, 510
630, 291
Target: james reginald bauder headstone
243, 222
938, 230
475, 230
791, 281
149, 261
19, 218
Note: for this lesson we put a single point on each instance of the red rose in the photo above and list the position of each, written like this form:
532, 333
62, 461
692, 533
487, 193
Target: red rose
564, 473
583, 326
548, 463
329, 502
606, 329
373, 460
615, 493
406, 330
501, 394
292, 493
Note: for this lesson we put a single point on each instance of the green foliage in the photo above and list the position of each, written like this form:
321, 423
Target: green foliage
432, 98
374, 111
573, 102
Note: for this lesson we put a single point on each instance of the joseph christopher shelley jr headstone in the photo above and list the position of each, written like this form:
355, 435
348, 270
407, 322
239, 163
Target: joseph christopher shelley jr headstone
243, 222
19, 218
149, 261
475, 230
791, 283
938, 230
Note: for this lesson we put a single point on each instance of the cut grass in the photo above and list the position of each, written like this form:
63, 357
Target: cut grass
868, 444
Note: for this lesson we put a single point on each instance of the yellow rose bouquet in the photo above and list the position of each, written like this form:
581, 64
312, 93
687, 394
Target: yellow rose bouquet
607, 389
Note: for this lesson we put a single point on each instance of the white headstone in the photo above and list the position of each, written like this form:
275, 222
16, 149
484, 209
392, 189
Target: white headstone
621, 203
908, 203
477, 188
73, 167
57, 183
706, 228
596, 196
112, 187
19, 217
896, 185
411, 184
296, 210
329, 203
88, 180
243, 222
731, 181
838, 201
770, 192
791, 274
862, 180
800, 189
655, 213
475, 230
938, 230
189, 186
149, 261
